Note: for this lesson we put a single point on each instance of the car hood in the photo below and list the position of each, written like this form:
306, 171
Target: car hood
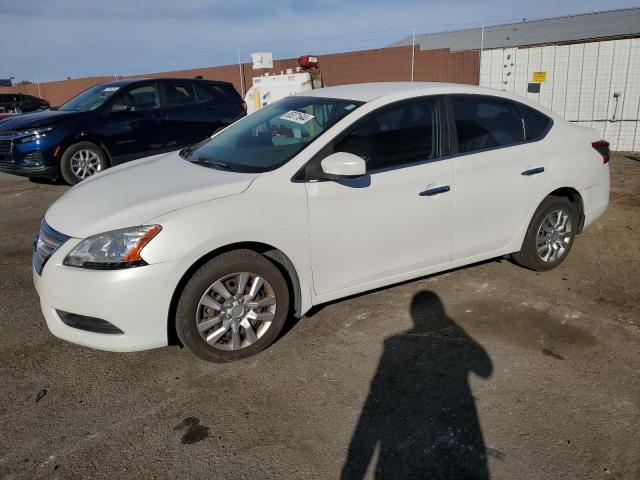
133, 193
40, 118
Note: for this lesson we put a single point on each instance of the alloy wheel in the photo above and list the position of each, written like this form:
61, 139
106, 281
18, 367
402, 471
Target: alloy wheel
554, 236
235, 311
85, 163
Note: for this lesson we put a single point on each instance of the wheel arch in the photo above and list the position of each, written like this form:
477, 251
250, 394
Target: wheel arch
84, 137
279, 258
576, 200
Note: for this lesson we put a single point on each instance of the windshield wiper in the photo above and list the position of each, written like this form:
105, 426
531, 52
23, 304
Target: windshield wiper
211, 163
222, 165
186, 152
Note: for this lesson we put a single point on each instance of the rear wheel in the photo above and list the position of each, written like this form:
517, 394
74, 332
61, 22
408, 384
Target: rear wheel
234, 306
81, 161
550, 235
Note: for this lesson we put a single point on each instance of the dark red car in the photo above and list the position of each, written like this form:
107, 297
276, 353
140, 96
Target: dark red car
21, 102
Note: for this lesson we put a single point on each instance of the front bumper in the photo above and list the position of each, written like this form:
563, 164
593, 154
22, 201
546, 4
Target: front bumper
30, 159
135, 300
36, 172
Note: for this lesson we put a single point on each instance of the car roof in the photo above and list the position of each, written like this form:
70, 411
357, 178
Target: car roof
124, 82
128, 81
366, 92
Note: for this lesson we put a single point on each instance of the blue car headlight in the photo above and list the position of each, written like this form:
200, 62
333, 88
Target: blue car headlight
32, 134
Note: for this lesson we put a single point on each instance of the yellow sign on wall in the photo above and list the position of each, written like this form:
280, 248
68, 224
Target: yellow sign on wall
539, 77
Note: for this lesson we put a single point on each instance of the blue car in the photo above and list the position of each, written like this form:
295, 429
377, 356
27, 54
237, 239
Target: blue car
115, 122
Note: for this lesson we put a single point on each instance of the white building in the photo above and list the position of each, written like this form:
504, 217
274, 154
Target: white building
584, 67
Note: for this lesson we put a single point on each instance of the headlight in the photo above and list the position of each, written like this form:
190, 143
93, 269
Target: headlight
32, 134
112, 250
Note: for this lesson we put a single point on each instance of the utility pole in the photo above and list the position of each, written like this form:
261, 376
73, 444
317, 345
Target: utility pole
241, 69
38, 84
413, 51
481, 49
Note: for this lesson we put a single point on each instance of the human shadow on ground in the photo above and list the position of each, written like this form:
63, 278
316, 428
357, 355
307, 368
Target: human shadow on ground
420, 419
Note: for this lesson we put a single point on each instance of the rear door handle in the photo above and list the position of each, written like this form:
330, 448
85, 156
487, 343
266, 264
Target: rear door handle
533, 171
434, 191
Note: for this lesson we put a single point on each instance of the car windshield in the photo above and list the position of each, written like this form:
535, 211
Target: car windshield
271, 136
90, 99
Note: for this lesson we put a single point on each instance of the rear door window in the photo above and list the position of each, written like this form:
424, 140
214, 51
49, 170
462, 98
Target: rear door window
144, 98
484, 122
179, 93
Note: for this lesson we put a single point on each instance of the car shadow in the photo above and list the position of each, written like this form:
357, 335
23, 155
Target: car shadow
420, 419
45, 181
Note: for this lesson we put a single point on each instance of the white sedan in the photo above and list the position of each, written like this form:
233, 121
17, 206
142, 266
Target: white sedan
313, 198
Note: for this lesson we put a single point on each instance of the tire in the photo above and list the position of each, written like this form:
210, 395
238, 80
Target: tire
81, 161
546, 246
202, 304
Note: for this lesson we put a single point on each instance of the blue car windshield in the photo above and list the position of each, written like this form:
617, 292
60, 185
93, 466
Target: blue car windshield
90, 99
272, 136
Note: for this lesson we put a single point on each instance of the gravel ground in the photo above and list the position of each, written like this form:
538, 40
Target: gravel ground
489, 370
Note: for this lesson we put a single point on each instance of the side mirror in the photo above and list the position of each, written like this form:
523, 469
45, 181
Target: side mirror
343, 165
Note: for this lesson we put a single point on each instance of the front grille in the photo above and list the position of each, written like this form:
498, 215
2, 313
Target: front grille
45, 244
6, 147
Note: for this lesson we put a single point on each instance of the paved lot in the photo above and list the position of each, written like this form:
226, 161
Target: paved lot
540, 371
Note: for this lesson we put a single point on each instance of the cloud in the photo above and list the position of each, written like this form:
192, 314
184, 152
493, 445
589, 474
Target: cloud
61, 38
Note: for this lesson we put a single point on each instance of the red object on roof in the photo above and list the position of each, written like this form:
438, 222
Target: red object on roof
308, 61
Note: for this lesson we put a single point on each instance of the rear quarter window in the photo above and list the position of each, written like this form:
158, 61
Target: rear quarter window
536, 123
227, 92
203, 94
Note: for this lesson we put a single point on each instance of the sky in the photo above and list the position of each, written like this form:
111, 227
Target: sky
56, 39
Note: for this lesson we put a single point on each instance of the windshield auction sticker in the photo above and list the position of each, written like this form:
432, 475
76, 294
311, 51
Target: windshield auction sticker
297, 117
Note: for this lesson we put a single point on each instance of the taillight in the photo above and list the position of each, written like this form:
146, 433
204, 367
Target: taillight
602, 146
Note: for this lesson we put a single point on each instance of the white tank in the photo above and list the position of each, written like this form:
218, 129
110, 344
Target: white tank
269, 88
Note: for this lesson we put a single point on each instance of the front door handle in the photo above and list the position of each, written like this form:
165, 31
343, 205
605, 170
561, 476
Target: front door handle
533, 171
434, 191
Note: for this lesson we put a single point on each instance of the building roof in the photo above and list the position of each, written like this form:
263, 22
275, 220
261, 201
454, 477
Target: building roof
569, 29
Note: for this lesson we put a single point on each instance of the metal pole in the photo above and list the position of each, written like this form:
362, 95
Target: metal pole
38, 83
481, 49
114, 72
413, 51
241, 73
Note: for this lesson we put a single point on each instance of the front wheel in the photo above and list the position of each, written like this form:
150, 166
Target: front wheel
234, 306
81, 161
550, 235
